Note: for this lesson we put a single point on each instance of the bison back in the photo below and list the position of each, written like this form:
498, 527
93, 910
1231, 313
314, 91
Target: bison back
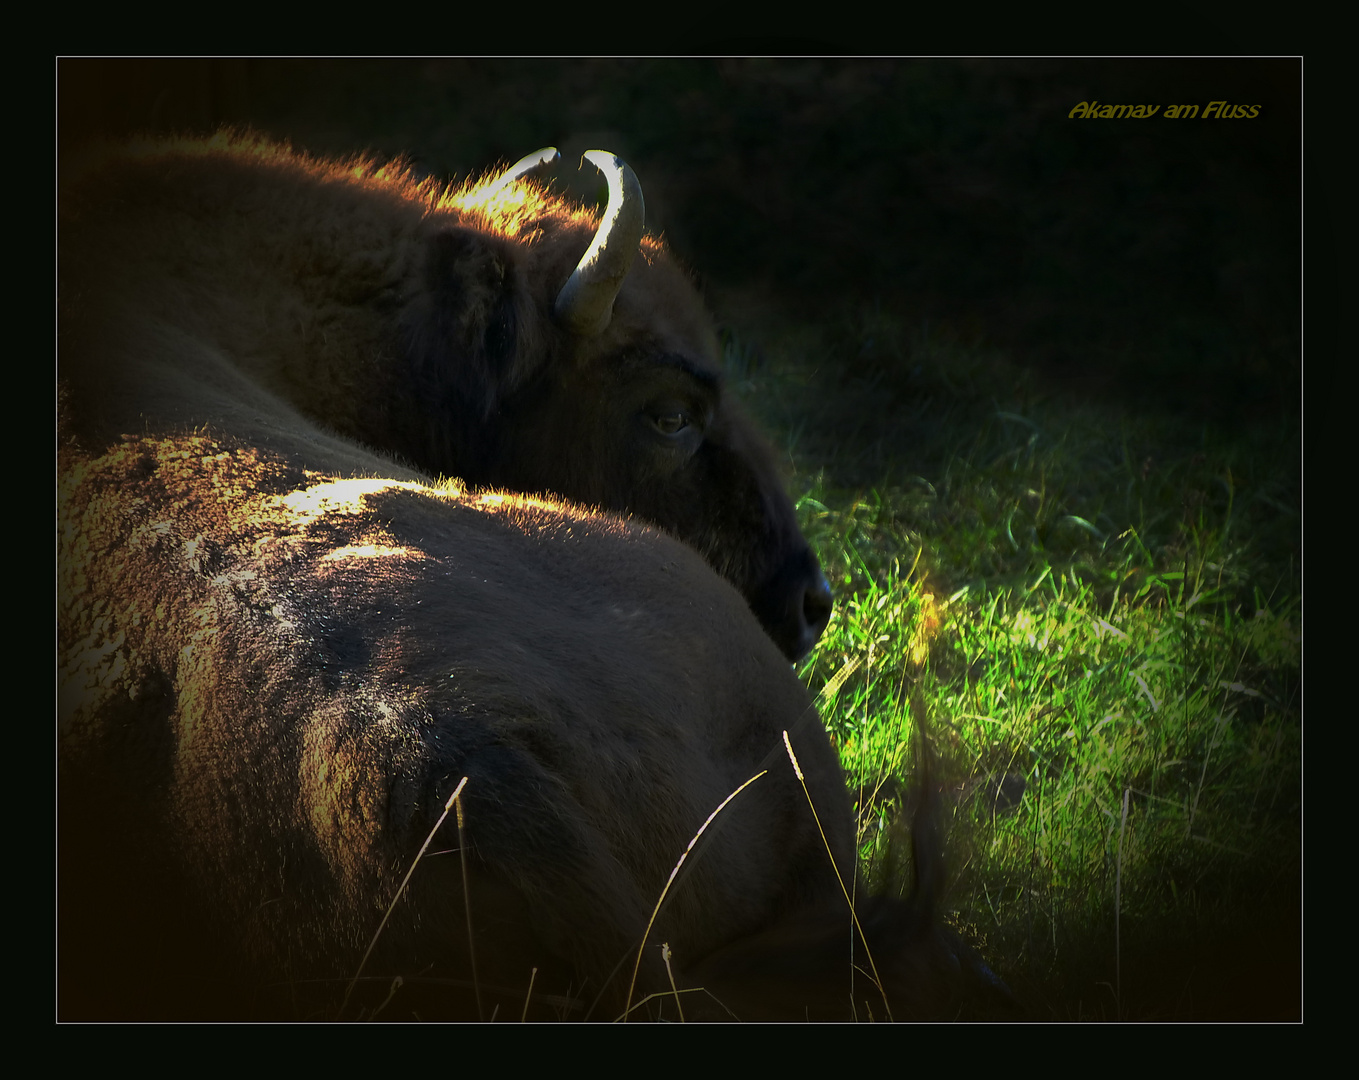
272, 680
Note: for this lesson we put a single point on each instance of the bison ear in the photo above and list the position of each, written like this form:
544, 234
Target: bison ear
468, 324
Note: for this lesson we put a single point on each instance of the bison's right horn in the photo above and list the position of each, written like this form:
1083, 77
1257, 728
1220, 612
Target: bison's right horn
585, 304
525, 166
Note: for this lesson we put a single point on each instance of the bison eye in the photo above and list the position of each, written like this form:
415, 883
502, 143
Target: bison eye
670, 423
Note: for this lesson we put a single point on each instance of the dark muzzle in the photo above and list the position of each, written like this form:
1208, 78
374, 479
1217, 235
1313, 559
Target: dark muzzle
795, 605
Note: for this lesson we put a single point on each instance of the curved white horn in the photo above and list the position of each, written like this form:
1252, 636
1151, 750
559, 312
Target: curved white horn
525, 166
585, 304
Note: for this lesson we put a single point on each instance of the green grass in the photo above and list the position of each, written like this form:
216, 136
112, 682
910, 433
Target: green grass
1100, 612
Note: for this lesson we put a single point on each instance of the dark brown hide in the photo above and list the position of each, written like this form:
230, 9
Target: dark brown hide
273, 679
417, 322
280, 650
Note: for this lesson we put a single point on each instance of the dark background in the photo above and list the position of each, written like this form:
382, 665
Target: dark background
1149, 261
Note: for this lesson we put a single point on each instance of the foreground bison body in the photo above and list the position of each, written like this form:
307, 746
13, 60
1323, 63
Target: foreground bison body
285, 674
280, 650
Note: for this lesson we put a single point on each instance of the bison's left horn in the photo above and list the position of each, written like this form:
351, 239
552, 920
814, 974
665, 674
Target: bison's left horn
585, 304
525, 166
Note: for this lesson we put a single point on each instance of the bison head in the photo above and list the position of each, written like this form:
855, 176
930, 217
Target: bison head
549, 353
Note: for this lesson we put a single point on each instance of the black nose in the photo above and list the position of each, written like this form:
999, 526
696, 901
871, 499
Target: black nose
794, 605
816, 609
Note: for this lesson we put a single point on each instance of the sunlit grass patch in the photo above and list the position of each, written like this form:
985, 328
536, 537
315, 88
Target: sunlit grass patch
1100, 613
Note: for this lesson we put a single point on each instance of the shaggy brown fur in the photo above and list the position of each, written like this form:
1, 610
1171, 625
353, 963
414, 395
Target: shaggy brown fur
234, 284
272, 679
280, 650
